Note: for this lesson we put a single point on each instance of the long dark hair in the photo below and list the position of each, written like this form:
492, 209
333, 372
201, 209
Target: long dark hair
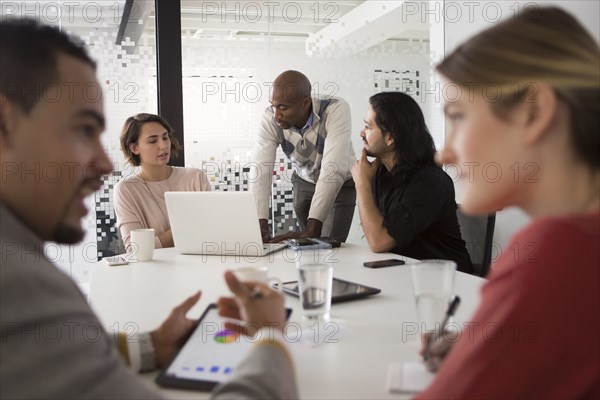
397, 114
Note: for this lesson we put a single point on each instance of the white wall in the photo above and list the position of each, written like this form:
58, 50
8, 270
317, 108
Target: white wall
473, 17
477, 16
219, 125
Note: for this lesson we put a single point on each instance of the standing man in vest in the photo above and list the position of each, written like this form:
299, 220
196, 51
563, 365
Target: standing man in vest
315, 135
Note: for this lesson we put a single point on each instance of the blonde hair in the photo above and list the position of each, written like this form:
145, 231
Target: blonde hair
540, 45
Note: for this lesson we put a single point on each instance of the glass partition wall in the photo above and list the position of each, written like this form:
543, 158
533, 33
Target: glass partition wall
120, 37
231, 53
233, 50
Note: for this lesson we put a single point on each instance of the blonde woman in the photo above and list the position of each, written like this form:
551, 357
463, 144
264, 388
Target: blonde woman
535, 334
147, 141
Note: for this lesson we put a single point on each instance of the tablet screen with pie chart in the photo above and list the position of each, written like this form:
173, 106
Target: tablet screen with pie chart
208, 357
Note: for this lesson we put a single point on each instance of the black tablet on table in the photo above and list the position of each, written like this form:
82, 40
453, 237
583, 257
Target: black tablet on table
341, 290
209, 356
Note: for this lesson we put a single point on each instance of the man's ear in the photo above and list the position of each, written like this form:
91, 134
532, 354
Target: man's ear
2, 116
307, 102
540, 108
8, 120
389, 140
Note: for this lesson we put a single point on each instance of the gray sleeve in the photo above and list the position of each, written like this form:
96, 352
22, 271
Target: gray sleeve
266, 373
53, 346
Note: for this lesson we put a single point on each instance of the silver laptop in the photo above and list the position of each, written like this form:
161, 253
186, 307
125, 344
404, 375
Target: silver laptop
216, 223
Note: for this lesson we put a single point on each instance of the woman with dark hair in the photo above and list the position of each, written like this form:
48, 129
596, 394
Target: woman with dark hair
147, 141
406, 202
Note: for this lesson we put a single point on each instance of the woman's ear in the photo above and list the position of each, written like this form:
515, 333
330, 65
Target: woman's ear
540, 107
134, 149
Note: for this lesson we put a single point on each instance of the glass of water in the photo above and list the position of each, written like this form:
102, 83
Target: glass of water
433, 285
314, 285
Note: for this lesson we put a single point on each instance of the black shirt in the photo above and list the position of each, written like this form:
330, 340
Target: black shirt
420, 214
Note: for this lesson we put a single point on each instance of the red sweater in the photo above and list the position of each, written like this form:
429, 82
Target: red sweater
536, 333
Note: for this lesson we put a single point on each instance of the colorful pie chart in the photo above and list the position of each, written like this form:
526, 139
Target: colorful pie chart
226, 336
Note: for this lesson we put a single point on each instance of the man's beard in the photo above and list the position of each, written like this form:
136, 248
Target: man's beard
64, 234
370, 154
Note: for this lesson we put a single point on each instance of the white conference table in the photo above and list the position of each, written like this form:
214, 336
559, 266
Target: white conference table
373, 332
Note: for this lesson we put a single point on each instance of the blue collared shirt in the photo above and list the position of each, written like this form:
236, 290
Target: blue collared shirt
308, 124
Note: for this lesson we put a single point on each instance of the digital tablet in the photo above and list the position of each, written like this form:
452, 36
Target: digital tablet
209, 356
341, 290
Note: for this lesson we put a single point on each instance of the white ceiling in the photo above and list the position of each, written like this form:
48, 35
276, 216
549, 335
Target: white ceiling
291, 19
318, 23
282, 18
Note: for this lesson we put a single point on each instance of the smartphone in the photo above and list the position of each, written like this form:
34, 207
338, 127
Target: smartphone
308, 244
384, 263
115, 260
302, 242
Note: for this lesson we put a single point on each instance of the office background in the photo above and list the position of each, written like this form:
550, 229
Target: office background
229, 52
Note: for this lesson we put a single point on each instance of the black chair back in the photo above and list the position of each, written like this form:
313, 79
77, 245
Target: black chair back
478, 232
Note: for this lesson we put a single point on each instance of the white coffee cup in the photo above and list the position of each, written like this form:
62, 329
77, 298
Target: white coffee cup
258, 274
141, 245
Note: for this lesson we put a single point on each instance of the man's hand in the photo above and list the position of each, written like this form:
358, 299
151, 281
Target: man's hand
363, 171
313, 230
264, 230
169, 336
254, 303
438, 350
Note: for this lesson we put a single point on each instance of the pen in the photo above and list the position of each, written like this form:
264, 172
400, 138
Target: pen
440, 331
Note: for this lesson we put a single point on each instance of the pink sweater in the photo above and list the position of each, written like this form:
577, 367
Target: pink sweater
141, 205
